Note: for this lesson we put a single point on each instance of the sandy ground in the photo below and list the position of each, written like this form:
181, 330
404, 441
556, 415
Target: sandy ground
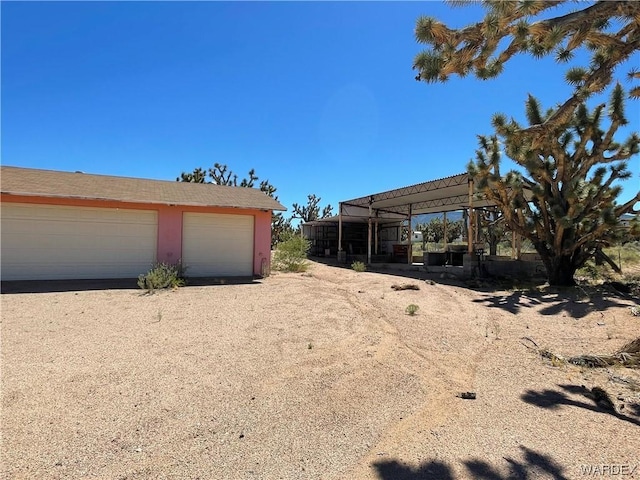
319, 375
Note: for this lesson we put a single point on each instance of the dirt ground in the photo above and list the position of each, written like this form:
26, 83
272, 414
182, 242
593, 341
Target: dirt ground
320, 375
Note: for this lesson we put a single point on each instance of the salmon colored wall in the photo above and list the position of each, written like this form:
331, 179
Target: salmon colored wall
170, 224
262, 242
169, 234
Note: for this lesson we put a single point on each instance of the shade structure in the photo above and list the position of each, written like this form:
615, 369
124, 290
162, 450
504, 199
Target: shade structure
436, 196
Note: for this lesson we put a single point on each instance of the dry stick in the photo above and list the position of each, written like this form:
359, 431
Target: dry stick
405, 286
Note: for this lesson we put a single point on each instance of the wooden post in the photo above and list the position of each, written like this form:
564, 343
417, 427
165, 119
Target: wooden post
377, 226
470, 232
410, 245
339, 227
369, 239
513, 245
445, 231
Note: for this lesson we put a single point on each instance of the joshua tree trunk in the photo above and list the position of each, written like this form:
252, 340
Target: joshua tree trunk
560, 270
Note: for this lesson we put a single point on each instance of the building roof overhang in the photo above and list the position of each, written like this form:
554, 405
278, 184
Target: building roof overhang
28, 182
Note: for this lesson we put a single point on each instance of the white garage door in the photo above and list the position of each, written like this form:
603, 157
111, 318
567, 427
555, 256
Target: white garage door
217, 244
45, 242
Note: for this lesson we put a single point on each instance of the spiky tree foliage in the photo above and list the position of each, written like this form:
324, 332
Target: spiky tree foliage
433, 230
197, 176
565, 203
610, 30
493, 229
311, 211
281, 228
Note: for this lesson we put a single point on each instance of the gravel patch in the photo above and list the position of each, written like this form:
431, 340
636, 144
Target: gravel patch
312, 376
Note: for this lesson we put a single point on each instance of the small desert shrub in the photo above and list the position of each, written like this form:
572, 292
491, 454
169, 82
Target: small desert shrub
412, 309
635, 311
291, 254
591, 272
359, 266
162, 275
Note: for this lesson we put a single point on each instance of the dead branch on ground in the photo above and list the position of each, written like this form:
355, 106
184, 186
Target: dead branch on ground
628, 356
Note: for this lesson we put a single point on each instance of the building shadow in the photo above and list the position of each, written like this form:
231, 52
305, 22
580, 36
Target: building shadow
403, 270
553, 399
532, 465
53, 286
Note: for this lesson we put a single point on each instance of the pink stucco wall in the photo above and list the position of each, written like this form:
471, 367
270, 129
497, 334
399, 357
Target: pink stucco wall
169, 246
169, 234
262, 243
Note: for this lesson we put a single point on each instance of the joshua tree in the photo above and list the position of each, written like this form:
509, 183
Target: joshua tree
565, 202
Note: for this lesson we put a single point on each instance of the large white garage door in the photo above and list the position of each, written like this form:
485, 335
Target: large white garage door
217, 244
44, 242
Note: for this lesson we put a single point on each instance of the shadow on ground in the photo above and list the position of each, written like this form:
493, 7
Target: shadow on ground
513, 295
575, 302
532, 465
47, 286
553, 399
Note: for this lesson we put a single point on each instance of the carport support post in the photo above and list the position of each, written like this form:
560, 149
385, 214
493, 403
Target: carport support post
376, 233
369, 238
339, 229
470, 232
444, 226
410, 231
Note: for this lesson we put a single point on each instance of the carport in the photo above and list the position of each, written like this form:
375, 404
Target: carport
444, 195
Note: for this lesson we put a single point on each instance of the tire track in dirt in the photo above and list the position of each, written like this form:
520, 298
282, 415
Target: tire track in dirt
440, 376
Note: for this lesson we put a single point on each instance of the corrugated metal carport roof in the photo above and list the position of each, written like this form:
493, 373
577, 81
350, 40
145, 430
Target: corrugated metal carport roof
443, 195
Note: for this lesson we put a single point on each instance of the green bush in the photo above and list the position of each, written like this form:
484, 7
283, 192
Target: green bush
291, 254
412, 309
591, 271
359, 266
162, 275
627, 255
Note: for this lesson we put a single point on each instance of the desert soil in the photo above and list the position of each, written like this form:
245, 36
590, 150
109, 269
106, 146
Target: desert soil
320, 375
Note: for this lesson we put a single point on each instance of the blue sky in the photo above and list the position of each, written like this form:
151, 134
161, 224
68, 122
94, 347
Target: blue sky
318, 97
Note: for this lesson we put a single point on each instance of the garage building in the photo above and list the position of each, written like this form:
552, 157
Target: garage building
63, 225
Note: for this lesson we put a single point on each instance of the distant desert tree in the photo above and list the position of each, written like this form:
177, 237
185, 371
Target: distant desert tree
491, 222
565, 202
197, 176
221, 175
433, 230
311, 211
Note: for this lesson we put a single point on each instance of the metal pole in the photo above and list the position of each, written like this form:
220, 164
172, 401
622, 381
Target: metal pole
339, 228
409, 249
445, 231
470, 233
369, 243
376, 232
369, 236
